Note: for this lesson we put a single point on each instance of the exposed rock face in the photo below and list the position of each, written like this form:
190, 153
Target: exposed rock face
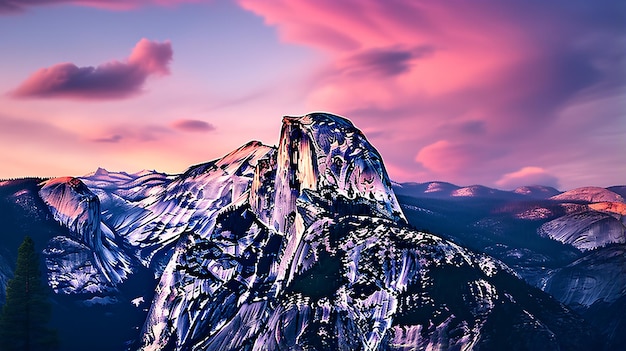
75, 207
90, 260
585, 230
599, 276
321, 151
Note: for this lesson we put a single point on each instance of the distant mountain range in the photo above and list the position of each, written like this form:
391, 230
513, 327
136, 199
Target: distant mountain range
310, 246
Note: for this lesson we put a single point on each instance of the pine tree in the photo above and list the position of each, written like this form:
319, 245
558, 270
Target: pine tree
27, 310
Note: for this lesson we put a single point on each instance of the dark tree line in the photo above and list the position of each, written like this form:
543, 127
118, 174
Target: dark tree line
27, 310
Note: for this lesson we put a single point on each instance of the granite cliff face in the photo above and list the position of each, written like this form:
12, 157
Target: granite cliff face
90, 259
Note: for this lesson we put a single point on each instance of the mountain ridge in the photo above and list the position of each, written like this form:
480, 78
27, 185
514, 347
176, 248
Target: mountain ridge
304, 245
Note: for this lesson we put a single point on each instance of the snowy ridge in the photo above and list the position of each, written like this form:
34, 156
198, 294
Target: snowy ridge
151, 210
537, 191
429, 189
473, 191
131, 187
444, 190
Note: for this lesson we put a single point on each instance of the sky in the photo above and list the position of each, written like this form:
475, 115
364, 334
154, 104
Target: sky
501, 93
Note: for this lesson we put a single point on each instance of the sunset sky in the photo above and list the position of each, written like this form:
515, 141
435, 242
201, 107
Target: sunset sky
501, 93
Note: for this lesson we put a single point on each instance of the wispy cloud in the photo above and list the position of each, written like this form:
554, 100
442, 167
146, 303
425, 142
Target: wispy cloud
111, 80
116, 138
15, 129
132, 134
192, 125
18, 6
527, 176
386, 62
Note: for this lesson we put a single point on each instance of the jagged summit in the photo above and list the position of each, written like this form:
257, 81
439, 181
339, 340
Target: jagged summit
324, 151
230, 161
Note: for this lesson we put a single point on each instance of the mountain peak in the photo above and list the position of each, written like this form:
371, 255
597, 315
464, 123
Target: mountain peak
318, 118
324, 151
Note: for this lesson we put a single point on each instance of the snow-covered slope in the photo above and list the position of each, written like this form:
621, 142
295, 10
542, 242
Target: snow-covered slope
151, 210
74, 206
363, 283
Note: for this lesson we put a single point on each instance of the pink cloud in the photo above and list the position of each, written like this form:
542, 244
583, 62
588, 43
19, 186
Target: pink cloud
112, 80
474, 89
16, 6
24, 130
451, 158
192, 125
527, 176
131, 133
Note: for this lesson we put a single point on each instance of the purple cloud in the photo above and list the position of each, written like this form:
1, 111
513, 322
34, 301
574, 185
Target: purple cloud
112, 80
18, 6
131, 134
116, 138
385, 62
192, 125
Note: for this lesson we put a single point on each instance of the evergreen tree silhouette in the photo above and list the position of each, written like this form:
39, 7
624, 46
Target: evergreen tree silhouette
27, 310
